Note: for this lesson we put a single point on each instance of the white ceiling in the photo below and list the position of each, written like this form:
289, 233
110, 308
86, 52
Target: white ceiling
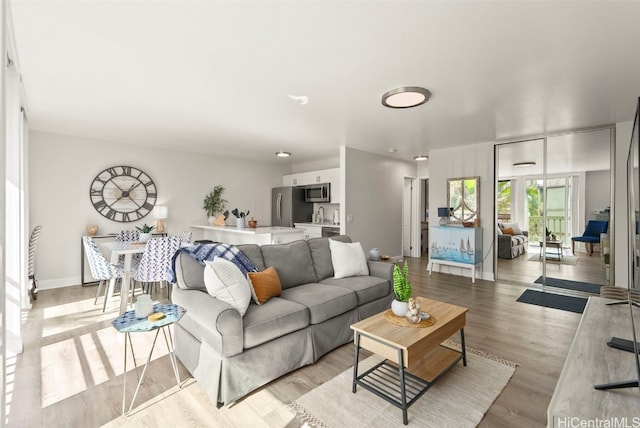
214, 77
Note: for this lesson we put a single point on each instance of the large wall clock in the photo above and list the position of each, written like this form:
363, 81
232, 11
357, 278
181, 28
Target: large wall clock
123, 193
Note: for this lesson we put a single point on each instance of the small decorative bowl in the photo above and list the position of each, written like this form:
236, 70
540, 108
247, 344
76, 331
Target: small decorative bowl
384, 257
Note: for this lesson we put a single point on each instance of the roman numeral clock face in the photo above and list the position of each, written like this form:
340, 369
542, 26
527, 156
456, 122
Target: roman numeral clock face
123, 193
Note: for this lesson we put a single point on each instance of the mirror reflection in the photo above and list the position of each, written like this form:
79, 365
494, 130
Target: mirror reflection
463, 195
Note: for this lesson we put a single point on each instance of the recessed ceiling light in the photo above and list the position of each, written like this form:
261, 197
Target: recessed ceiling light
393, 150
524, 164
405, 97
282, 154
420, 157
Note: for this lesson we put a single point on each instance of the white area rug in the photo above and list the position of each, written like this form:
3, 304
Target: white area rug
459, 399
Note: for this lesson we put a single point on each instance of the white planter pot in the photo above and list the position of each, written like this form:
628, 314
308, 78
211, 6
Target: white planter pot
144, 237
399, 308
212, 220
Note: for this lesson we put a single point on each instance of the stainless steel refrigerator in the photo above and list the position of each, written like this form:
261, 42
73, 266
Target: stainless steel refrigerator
288, 206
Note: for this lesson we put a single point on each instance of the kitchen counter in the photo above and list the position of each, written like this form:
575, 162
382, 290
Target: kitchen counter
259, 235
337, 226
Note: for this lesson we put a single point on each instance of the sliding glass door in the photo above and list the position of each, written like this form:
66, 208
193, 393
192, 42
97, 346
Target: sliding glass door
551, 187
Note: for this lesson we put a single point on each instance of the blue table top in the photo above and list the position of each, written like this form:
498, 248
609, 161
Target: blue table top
128, 323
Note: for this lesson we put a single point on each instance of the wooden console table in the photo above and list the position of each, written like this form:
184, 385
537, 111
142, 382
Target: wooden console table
591, 362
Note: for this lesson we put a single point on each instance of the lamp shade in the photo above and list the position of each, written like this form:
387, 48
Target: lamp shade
443, 212
160, 212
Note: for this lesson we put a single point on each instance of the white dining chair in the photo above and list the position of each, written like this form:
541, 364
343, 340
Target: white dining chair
33, 245
156, 261
185, 236
101, 270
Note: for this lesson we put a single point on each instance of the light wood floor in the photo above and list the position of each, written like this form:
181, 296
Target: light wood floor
70, 373
521, 269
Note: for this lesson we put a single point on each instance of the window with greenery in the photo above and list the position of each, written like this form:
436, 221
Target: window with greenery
464, 199
504, 200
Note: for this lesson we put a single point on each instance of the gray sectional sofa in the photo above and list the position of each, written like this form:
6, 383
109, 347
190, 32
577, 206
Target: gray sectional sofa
230, 355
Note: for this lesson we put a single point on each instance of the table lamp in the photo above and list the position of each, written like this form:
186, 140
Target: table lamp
443, 213
161, 212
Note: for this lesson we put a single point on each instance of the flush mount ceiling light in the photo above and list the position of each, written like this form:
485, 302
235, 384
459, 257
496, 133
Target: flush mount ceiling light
524, 164
300, 99
405, 97
282, 154
420, 157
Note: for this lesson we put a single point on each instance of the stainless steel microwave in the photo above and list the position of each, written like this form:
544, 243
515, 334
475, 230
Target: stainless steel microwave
317, 192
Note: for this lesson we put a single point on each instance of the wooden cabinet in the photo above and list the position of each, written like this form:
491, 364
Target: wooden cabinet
455, 246
331, 176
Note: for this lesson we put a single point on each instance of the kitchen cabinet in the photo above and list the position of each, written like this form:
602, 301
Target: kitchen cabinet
331, 176
309, 230
455, 246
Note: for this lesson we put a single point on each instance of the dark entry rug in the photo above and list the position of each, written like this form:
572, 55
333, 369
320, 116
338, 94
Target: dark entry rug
555, 301
570, 285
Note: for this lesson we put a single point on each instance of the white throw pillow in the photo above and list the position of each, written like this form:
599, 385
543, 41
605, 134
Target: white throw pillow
225, 281
348, 259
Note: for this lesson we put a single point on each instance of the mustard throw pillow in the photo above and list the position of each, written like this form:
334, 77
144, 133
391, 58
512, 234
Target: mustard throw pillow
508, 231
265, 285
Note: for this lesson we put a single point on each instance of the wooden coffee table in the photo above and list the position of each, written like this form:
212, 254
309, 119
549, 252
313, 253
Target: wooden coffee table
414, 357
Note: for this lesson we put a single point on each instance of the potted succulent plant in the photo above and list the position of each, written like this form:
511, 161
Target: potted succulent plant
145, 232
240, 217
401, 288
213, 203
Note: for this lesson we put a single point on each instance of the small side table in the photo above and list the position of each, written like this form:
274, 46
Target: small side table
127, 323
557, 244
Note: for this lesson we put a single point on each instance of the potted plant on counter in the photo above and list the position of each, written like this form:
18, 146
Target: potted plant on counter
145, 232
401, 288
213, 203
240, 216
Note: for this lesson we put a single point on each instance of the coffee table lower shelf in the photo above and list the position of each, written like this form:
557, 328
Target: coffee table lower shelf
402, 386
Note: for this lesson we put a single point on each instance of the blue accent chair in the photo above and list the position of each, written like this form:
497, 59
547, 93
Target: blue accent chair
591, 234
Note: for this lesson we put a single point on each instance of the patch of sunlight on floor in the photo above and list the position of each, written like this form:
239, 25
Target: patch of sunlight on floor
61, 372
70, 316
10, 381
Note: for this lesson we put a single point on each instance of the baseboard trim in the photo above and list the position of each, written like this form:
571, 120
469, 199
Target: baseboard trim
49, 284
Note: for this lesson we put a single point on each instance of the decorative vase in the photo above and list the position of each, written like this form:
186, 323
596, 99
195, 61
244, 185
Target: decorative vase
399, 308
374, 254
92, 229
253, 223
212, 220
240, 223
144, 237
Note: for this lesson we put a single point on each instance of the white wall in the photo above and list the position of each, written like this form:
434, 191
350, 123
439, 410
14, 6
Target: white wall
597, 191
62, 167
315, 165
373, 190
466, 161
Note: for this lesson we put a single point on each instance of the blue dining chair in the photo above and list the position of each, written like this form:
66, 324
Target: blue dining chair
591, 234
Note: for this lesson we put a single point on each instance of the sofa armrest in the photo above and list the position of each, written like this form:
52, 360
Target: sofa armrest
525, 233
504, 240
382, 270
203, 314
